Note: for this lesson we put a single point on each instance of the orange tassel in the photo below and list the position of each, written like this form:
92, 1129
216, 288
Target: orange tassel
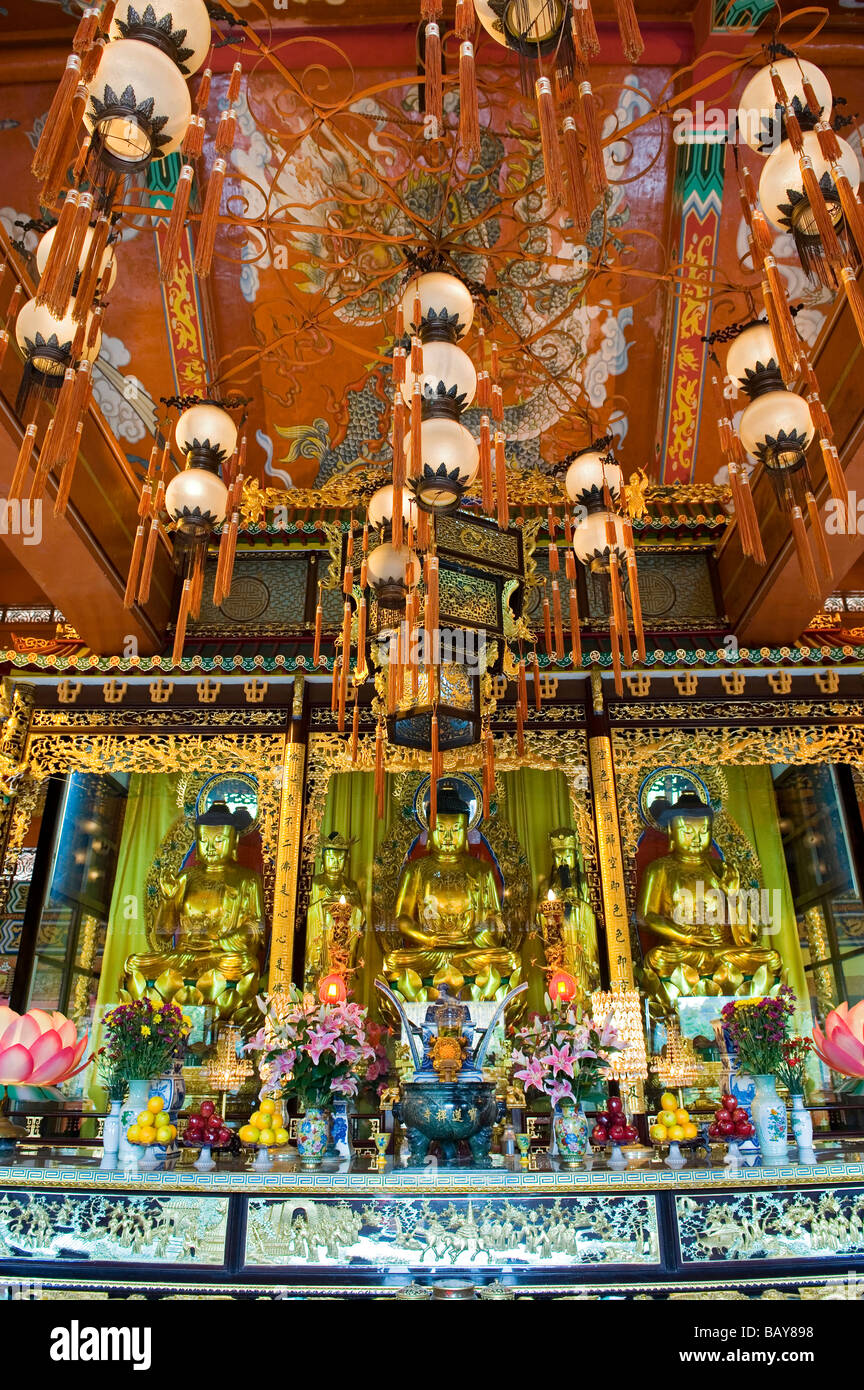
522, 689
88, 28
805, 555
434, 81
501, 482
225, 132
361, 636
484, 390
319, 620
787, 370
176, 224
415, 462
621, 611
486, 492
520, 731
575, 630
557, 619
59, 114
203, 94
235, 83
497, 403
852, 290
535, 673
334, 685
586, 32
92, 273
549, 141
182, 616
616, 658
379, 772
829, 145
134, 564
757, 548
193, 141
816, 199
149, 557
636, 603
785, 325
64, 486
37, 486
547, 624
345, 663
577, 201
25, 454
593, 147
469, 113
432, 605
464, 19
628, 28
819, 536
209, 219
852, 209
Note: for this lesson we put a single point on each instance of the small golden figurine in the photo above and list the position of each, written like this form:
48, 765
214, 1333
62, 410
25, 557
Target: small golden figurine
332, 889
572, 921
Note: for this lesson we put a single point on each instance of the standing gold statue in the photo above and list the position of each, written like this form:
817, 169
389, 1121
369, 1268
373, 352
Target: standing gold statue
208, 931
578, 928
708, 942
448, 912
331, 883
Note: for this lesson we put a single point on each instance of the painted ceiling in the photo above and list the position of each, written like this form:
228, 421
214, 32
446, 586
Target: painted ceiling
333, 186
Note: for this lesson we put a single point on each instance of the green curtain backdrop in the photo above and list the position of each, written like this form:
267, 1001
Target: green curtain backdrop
151, 810
752, 805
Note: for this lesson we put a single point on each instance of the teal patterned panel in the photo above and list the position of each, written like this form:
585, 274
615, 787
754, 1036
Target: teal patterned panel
479, 1233
817, 1224
265, 593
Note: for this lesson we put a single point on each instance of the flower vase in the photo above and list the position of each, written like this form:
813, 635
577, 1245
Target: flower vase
137, 1095
802, 1128
312, 1134
570, 1130
769, 1117
111, 1135
339, 1145
172, 1088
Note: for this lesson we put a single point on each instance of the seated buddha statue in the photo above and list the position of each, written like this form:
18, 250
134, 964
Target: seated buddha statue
578, 929
206, 938
448, 914
331, 884
707, 944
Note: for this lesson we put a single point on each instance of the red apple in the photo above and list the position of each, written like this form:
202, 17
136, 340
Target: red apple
631, 1134
224, 1136
615, 1105
730, 1102
739, 1115
616, 1134
726, 1127
713, 1131
742, 1129
599, 1134
603, 1118
207, 1107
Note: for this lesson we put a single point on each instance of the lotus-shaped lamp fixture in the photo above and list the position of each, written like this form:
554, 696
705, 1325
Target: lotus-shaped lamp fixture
38, 1050
841, 1045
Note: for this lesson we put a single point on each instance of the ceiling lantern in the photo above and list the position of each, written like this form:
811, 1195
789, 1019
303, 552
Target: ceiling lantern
445, 304
761, 118
206, 434
47, 342
178, 28
449, 460
447, 380
787, 200
592, 473
391, 571
139, 106
108, 263
380, 509
598, 537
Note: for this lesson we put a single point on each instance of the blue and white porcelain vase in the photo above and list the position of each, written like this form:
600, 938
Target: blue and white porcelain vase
570, 1128
802, 1128
769, 1117
111, 1135
172, 1088
340, 1131
137, 1095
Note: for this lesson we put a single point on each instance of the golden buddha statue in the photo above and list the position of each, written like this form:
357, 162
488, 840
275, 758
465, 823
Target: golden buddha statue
208, 931
448, 912
330, 885
578, 927
709, 944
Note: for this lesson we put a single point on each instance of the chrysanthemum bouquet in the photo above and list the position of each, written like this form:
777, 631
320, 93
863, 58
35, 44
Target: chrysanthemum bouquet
757, 1030
141, 1039
311, 1050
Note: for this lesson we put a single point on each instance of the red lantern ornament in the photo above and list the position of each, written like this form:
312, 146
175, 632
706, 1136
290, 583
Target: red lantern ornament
332, 989
562, 987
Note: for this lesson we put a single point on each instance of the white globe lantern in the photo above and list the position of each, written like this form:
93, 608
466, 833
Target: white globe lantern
757, 106
753, 349
387, 569
445, 304
178, 28
590, 543
450, 461
587, 474
139, 105
109, 260
525, 24
46, 342
776, 427
781, 187
206, 432
196, 498
380, 509
447, 372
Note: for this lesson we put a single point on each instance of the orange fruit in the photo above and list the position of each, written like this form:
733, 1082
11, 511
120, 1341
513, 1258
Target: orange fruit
668, 1101
658, 1132
248, 1133
675, 1132
163, 1134
281, 1136
132, 1134
258, 1120
155, 1104
668, 1119
145, 1119
267, 1137
146, 1134
690, 1131
681, 1117
267, 1107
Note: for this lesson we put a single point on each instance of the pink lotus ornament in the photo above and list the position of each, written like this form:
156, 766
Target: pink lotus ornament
38, 1050
841, 1046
